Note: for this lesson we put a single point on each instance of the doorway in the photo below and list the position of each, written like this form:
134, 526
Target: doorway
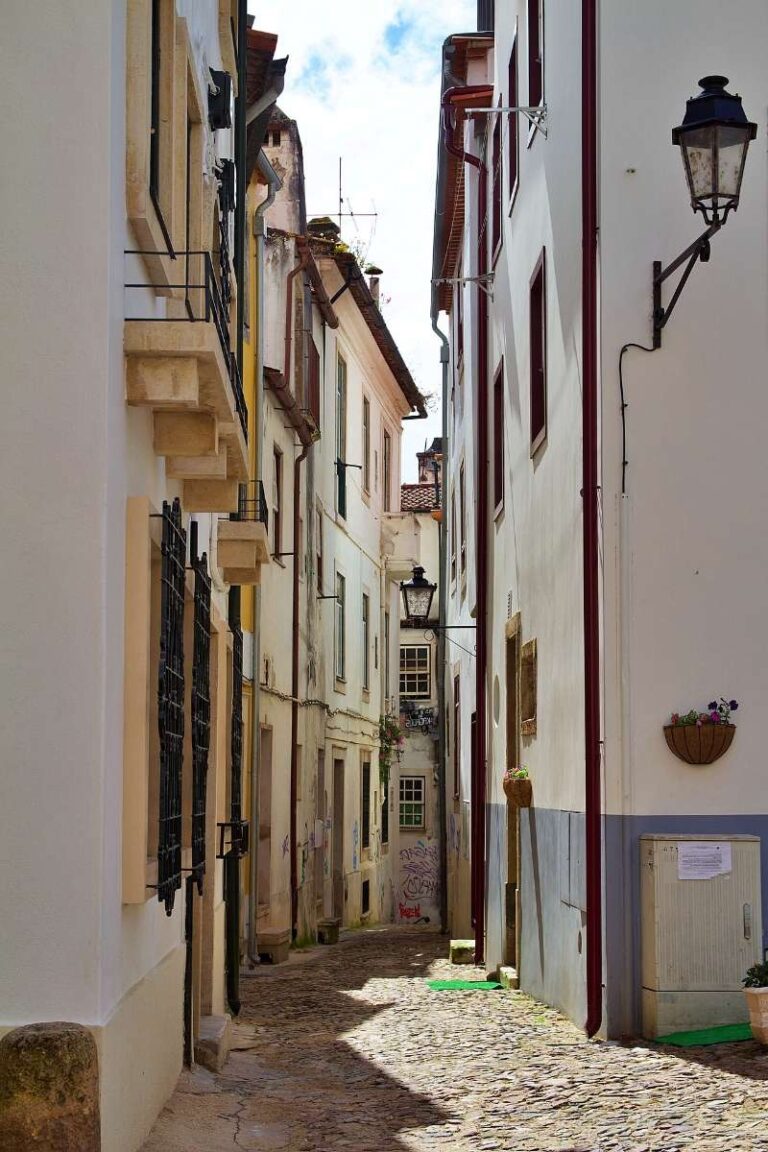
320, 812
265, 823
338, 839
512, 887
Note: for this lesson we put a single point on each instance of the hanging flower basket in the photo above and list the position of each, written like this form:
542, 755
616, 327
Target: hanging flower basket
702, 737
518, 790
699, 745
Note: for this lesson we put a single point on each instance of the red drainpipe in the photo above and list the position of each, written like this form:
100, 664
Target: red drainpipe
481, 533
590, 519
295, 607
466, 98
477, 95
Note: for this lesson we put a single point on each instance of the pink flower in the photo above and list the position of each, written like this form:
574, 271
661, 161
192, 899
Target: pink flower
714, 717
675, 717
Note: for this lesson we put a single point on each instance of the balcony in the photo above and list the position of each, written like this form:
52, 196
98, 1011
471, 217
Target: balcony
179, 363
242, 544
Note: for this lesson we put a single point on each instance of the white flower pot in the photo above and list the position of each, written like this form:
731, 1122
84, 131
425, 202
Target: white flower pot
757, 1002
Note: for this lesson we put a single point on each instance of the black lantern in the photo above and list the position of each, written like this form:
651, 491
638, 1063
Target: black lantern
713, 138
417, 597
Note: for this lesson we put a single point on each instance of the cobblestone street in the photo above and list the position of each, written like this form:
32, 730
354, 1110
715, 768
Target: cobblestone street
347, 1047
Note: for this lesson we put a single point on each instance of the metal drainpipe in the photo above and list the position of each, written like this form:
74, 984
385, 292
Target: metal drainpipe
295, 604
592, 805
295, 688
274, 184
443, 584
481, 642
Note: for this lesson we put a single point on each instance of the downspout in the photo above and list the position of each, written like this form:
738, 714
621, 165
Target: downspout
468, 95
274, 183
593, 818
240, 150
295, 603
442, 607
295, 688
481, 533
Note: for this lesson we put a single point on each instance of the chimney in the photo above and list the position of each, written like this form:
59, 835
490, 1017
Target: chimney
374, 275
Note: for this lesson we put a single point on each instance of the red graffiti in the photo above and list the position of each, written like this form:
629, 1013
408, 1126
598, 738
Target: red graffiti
407, 913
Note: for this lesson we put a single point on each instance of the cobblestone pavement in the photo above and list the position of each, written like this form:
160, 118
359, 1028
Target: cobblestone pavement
347, 1048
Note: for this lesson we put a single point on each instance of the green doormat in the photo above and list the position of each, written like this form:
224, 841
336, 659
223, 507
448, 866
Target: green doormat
463, 985
725, 1034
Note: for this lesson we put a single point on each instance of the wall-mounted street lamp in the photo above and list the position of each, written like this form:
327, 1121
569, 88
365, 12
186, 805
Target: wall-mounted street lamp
417, 598
713, 140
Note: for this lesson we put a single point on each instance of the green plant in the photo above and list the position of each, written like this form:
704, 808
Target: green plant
391, 740
517, 773
757, 976
716, 713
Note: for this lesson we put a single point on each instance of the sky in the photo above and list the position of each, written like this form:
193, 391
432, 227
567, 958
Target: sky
363, 83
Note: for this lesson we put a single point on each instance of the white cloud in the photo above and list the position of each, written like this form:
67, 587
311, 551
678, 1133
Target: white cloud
363, 83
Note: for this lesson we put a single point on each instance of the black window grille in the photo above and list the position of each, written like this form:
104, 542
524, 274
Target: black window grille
201, 712
170, 703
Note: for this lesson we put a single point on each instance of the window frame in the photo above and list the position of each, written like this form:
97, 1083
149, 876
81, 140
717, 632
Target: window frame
387, 670
454, 565
416, 671
277, 502
339, 635
537, 368
404, 800
463, 522
341, 434
497, 184
386, 468
365, 802
456, 736
319, 548
498, 439
366, 445
513, 128
366, 641
535, 39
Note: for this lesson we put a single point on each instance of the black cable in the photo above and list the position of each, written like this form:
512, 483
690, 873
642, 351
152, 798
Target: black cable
643, 348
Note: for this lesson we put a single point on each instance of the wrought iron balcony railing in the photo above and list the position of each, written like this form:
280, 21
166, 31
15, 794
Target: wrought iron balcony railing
202, 301
252, 503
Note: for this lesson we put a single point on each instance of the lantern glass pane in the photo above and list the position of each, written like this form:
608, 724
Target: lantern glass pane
419, 600
697, 146
731, 152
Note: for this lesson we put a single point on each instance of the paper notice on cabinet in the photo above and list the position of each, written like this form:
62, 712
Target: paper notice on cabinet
702, 859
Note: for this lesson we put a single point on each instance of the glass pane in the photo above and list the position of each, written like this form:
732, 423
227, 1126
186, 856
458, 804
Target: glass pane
697, 146
732, 145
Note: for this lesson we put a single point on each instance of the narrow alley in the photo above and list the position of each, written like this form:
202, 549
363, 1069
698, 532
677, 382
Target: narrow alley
348, 1047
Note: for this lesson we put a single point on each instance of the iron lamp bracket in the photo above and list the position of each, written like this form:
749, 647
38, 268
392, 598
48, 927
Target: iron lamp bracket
699, 250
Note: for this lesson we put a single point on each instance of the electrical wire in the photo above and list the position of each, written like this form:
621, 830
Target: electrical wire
624, 406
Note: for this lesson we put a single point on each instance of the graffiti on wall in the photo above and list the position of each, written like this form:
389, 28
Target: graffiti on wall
355, 845
420, 871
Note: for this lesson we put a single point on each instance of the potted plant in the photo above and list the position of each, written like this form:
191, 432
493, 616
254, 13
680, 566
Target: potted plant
391, 741
702, 737
518, 787
756, 990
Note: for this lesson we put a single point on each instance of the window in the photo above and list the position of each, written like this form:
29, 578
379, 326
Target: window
365, 798
513, 136
341, 437
498, 437
535, 52
453, 536
459, 298
463, 521
366, 444
276, 137
386, 656
385, 816
314, 383
277, 502
366, 643
319, 551
387, 466
538, 319
365, 897
528, 662
456, 736
340, 604
412, 802
497, 179
415, 670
